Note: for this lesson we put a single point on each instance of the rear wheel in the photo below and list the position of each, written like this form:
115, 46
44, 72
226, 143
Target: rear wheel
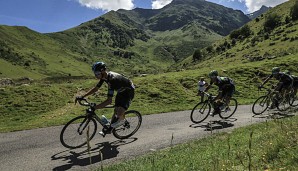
78, 131
228, 111
133, 121
294, 99
200, 112
284, 102
260, 105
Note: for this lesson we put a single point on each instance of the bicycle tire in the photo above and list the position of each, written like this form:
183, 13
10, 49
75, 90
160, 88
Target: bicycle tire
199, 113
284, 104
262, 102
232, 109
71, 138
133, 121
294, 100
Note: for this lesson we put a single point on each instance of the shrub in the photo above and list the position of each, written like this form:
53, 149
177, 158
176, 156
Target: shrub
294, 11
271, 22
197, 55
243, 32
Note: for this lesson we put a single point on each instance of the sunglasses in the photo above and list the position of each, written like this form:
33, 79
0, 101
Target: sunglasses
97, 73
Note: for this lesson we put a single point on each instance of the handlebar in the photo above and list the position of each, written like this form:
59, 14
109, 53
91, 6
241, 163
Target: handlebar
208, 95
85, 102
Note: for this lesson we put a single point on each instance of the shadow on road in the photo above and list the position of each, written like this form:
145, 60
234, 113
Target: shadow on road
214, 125
275, 115
102, 151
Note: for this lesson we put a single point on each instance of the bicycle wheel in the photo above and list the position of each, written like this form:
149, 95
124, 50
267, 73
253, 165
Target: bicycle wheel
74, 133
284, 103
260, 105
229, 110
133, 121
200, 112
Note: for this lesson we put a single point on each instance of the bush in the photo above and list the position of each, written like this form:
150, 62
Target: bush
197, 55
294, 11
271, 22
242, 32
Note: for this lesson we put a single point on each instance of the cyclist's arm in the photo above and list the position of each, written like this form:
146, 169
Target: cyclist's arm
108, 100
267, 79
91, 91
208, 86
104, 103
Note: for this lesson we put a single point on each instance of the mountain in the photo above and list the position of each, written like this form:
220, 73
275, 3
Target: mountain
267, 41
130, 41
255, 14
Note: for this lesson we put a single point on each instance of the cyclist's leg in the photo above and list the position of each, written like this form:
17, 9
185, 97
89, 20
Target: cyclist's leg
122, 103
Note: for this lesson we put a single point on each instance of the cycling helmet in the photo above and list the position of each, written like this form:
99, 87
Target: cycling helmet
98, 66
213, 73
275, 70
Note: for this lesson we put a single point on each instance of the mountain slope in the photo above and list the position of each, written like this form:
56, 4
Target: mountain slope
130, 41
261, 46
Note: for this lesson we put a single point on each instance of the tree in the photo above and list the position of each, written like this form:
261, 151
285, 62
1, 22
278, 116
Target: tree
294, 11
197, 55
272, 21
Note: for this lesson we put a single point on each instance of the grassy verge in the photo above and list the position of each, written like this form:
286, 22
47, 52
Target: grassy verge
266, 146
50, 102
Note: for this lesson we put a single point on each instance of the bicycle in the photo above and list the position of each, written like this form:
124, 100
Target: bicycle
282, 101
81, 129
202, 110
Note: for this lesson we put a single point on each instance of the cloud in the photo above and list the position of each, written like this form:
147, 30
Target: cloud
108, 5
157, 4
254, 5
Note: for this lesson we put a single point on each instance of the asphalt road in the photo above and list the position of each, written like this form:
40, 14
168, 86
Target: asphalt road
40, 149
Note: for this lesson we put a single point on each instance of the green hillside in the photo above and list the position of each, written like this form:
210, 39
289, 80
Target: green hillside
25, 53
50, 101
262, 45
134, 41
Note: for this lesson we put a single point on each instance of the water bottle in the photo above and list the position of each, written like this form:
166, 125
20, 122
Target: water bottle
104, 120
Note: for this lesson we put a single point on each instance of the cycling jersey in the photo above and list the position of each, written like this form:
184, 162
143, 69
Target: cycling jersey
283, 78
123, 86
225, 84
222, 82
116, 82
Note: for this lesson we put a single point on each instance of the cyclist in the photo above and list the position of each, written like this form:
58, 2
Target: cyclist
285, 82
125, 93
226, 89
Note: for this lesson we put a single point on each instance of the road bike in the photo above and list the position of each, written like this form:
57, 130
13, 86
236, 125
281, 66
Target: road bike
202, 110
81, 129
282, 101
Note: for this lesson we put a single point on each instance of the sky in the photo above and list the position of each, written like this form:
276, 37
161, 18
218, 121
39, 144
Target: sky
47, 16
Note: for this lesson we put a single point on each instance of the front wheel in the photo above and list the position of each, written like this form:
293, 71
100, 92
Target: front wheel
229, 110
200, 112
260, 105
78, 131
133, 121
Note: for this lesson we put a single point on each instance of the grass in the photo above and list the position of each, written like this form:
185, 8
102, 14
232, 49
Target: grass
266, 146
50, 102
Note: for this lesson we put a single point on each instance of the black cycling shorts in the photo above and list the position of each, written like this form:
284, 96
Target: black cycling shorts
228, 90
124, 97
